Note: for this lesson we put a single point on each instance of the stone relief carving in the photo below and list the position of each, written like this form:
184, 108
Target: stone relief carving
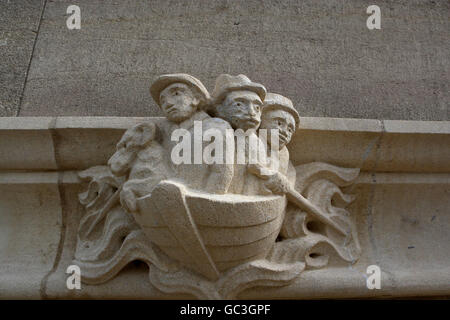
213, 230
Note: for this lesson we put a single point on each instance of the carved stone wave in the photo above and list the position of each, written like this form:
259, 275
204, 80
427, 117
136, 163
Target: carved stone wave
102, 255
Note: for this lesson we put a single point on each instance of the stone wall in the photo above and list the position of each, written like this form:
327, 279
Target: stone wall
319, 53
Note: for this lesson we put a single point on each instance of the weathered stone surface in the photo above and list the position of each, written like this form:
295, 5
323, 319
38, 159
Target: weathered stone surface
30, 232
19, 22
318, 53
20, 14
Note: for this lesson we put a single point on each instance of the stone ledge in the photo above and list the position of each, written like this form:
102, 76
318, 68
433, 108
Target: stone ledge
307, 123
420, 146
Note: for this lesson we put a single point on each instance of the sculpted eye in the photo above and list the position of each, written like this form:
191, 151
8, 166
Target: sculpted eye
239, 104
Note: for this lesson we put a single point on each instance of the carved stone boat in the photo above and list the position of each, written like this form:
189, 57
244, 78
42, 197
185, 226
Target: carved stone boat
210, 233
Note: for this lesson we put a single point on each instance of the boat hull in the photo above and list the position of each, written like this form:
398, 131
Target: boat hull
233, 229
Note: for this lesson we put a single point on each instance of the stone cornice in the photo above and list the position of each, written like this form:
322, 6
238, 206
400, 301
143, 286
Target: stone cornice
372, 145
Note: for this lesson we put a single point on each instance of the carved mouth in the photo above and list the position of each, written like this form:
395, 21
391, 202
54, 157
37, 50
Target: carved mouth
283, 138
252, 121
171, 109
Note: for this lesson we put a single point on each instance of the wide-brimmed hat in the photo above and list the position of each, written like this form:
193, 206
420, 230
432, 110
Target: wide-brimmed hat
226, 83
277, 101
166, 80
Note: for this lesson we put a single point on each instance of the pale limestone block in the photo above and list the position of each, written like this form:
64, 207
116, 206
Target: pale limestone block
30, 232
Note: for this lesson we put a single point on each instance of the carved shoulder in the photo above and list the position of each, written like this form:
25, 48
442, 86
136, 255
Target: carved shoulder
134, 140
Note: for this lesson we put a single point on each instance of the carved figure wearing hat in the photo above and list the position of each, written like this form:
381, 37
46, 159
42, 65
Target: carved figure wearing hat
279, 113
144, 151
183, 98
238, 100
180, 96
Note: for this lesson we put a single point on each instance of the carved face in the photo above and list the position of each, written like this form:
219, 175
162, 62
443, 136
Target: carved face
242, 109
281, 120
178, 102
